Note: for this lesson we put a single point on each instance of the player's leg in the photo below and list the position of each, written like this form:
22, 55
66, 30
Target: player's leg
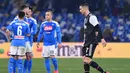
28, 63
15, 66
53, 58
11, 64
19, 64
12, 60
55, 64
29, 54
25, 66
28, 60
20, 53
45, 54
88, 58
93, 63
25, 61
86, 63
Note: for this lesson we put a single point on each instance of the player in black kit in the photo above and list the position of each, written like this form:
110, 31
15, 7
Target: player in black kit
92, 33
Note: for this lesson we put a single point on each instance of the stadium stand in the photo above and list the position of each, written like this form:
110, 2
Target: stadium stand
113, 15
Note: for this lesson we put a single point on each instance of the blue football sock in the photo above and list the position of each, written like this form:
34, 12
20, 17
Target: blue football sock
19, 65
29, 65
47, 65
11, 65
25, 66
55, 63
15, 66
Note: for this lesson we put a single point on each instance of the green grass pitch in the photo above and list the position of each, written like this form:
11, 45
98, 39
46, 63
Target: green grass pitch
75, 65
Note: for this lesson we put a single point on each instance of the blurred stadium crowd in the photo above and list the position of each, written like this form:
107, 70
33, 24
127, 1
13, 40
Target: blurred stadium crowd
113, 16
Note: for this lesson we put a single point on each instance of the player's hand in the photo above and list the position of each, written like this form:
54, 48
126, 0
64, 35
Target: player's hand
103, 42
59, 46
10, 38
38, 45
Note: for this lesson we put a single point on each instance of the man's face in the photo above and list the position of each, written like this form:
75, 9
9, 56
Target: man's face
48, 15
29, 13
82, 10
26, 10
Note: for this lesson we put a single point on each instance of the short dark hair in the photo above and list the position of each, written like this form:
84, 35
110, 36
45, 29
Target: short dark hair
50, 11
31, 8
85, 4
21, 14
23, 7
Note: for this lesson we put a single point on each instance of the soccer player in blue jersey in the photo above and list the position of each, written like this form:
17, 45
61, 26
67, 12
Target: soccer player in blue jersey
33, 28
25, 9
29, 40
52, 37
20, 30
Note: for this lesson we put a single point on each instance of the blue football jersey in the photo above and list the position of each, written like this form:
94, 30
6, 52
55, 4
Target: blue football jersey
32, 25
33, 28
51, 33
20, 29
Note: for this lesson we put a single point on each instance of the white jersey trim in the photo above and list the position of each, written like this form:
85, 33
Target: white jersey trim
93, 20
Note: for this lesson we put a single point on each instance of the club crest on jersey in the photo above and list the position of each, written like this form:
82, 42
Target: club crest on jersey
48, 28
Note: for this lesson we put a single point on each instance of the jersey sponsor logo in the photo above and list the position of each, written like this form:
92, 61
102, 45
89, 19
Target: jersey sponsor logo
18, 37
48, 28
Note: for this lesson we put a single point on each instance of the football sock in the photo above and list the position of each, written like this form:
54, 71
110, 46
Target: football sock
15, 66
86, 67
47, 65
29, 65
11, 65
55, 63
96, 66
25, 66
19, 65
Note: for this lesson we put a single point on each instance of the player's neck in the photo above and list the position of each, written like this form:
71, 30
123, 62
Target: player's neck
49, 20
20, 19
29, 17
86, 13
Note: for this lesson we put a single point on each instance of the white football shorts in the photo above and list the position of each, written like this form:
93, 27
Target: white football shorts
15, 50
49, 51
28, 47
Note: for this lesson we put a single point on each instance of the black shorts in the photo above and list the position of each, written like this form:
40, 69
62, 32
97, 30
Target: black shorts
88, 51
